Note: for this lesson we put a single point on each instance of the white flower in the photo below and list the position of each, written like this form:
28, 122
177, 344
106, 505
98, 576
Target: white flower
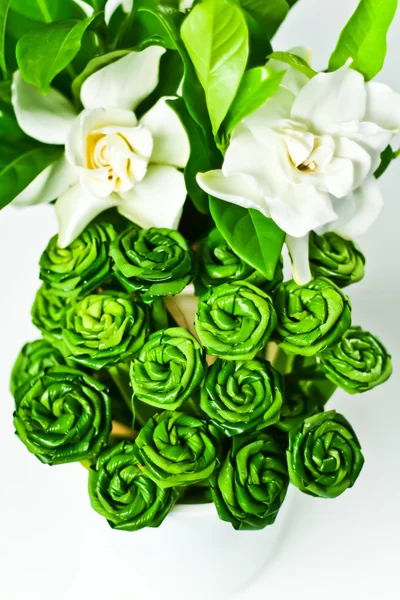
111, 159
306, 158
127, 5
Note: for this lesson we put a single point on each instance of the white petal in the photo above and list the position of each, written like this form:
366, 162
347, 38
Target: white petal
360, 158
298, 250
331, 98
157, 201
124, 83
299, 144
293, 80
336, 178
301, 209
74, 211
112, 5
383, 106
366, 204
171, 144
53, 181
44, 118
238, 189
269, 115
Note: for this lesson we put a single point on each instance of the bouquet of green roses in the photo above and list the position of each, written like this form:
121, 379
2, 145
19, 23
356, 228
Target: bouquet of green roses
181, 153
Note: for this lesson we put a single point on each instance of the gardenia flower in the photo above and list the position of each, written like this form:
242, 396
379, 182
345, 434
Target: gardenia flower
307, 157
111, 159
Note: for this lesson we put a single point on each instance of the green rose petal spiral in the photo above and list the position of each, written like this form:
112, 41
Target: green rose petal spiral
169, 369
123, 494
358, 363
176, 449
250, 487
34, 359
48, 312
155, 262
324, 455
104, 329
63, 416
80, 267
311, 317
235, 320
241, 396
338, 259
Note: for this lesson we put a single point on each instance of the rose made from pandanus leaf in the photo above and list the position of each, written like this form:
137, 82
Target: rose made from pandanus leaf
240, 396
250, 486
48, 311
154, 262
338, 259
104, 329
176, 449
169, 369
311, 317
235, 320
35, 358
358, 363
324, 455
63, 416
300, 400
123, 494
80, 267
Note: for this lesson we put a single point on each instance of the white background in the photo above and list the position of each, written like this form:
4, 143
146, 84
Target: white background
345, 548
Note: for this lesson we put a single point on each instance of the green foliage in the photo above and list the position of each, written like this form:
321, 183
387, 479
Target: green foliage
4, 8
268, 14
363, 39
387, 156
297, 62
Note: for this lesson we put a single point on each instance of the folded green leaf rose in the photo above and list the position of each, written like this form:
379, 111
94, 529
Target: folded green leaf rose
336, 258
324, 455
300, 400
311, 317
250, 487
63, 416
169, 369
176, 449
242, 396
104, 329
34, 359
48, 312
123, 494
235, 320
155, 262
358, 363
80, 267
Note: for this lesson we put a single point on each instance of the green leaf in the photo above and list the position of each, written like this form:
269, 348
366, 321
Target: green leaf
387, 156
256, 87
47, 50
255, 238
203, 156
92, 67
97, 4
216, 37
19, 165
294, 61
47, 11
4, 7
269, 14
364, 38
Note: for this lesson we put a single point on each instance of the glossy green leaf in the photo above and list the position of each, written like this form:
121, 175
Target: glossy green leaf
216, 38
294, 61
18, 167
387, 156
270, 14
364, 37
47, 11
47, 50
255, 238
256, 87
97, 4
4, 8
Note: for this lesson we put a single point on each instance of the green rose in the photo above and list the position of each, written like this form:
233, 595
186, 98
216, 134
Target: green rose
338, 259
358, 363
324, 455
250, 487
176, 449
123, 494
104, 329
155, 262
219, 264
47, 313
35, 358
169, 369
242, 396
235, 320
80, 267
311, 317
63, 416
